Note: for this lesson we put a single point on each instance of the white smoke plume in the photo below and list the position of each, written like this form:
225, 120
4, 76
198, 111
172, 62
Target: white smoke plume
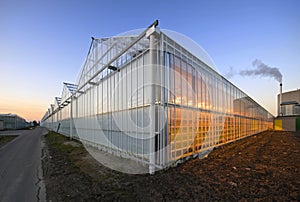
261, 70
231, 73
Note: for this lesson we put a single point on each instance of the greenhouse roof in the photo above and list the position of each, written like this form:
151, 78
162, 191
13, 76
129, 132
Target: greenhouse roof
71, 87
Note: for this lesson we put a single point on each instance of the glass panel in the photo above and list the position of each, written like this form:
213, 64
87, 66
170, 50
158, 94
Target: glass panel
178, 81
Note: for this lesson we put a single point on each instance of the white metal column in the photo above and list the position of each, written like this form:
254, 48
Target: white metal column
154, 74
152, 105
71, 118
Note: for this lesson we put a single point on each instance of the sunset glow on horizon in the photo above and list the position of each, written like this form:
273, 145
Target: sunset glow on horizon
44, 44
26, 109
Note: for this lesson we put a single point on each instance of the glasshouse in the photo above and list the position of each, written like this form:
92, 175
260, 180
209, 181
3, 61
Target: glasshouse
150, 98
12, 122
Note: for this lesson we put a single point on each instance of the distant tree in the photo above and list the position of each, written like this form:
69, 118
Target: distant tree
35, 123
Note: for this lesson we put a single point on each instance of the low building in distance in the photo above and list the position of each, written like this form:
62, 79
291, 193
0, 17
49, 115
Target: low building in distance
288, 111
12, 122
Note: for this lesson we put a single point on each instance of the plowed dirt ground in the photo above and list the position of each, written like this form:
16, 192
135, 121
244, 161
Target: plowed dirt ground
263, 167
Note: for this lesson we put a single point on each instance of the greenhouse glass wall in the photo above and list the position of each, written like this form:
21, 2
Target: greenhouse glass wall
12, 121
147, 97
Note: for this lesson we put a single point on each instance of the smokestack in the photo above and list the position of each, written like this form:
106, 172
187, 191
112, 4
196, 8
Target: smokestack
280, 100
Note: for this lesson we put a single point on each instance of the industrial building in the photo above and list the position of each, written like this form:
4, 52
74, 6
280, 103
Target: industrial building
11, 122
288, 106
149, 98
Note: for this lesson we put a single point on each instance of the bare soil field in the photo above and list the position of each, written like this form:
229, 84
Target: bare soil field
263, 167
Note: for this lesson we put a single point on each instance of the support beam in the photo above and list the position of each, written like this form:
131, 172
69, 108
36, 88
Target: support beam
71, 118
152, 75
93, 83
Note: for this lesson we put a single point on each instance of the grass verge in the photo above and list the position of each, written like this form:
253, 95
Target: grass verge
6, 138
72, 174
72, 149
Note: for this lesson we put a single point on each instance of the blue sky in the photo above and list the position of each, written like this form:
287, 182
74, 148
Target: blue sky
44, 43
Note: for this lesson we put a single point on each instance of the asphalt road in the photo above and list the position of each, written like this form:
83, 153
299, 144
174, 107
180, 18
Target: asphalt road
21, 174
